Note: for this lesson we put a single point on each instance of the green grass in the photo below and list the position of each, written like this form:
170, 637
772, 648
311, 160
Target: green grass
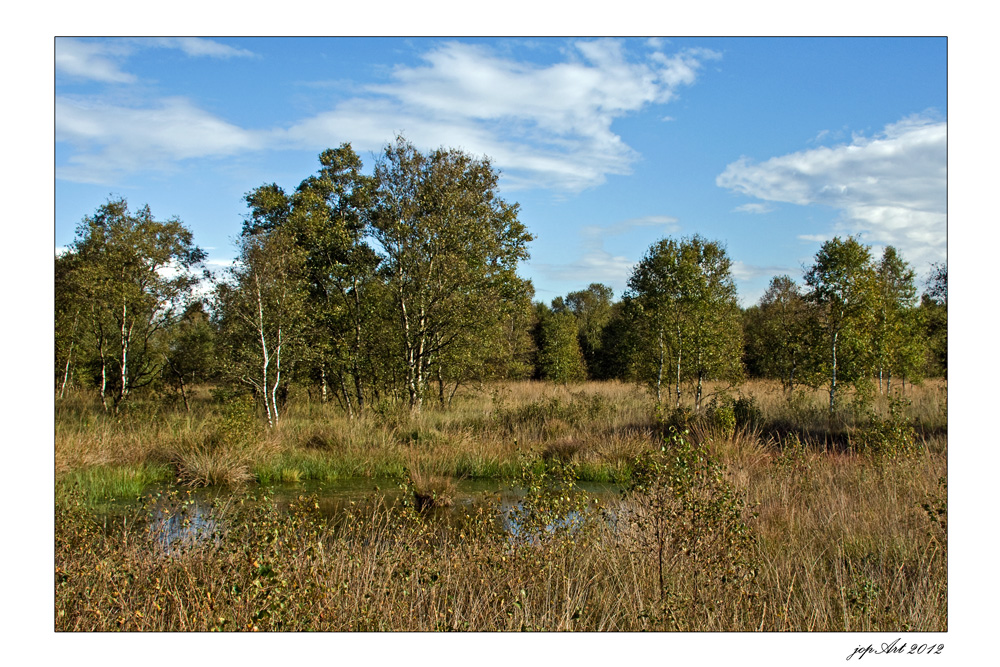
103, 483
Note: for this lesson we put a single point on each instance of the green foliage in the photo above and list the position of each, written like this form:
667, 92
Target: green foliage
777, 333
688, 315
792, 457
863, 400
721, 414
114, 282
933, 320
262, 316
240, 425
888, 437
897, 346
747, 412
843, 287
592, 309
667, 420
552, 506
190, 357
687, 516
559, 357
449, 248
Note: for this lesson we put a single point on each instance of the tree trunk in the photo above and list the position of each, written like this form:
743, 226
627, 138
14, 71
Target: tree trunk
678, 385
659, 370
697, 394
264, 353
833, 372
123, 389
440, 380
347, 398
277, 378
104, 382
187, 406
69, 359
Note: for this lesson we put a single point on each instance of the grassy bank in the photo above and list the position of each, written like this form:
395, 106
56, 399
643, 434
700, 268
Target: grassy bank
487, 434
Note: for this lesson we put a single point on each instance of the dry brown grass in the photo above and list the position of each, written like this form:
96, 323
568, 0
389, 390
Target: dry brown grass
842, 542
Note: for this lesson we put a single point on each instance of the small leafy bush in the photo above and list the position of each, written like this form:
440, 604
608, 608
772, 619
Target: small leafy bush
747, 412
888, 437
721, 416
674, 420
689, 520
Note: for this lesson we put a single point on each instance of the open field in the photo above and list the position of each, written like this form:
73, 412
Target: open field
782, 519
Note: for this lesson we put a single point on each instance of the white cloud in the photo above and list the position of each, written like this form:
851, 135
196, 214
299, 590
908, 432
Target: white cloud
547, 126
754, 208
890, 188
194, 46
101, 60
110, 140
596, 264
92, 60
745, 272
668, 223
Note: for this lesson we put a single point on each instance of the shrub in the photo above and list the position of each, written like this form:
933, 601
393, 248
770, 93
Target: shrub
747, 412
888, 437
687, 517
676, 420
225, 457
721, 416
430, 491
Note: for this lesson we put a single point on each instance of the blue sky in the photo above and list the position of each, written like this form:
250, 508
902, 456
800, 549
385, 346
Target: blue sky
771, 145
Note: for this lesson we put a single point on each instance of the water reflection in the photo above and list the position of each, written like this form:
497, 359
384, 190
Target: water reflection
200, 515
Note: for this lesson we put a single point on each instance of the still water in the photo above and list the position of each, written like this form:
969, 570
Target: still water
204, 510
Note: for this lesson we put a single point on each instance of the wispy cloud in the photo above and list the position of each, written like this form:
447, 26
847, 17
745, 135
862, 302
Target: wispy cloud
754, 208
596, 263
544, 126
745, 272
594, 266
97, 61
665, 222
890, 188
113, 140
102, 60
194, 46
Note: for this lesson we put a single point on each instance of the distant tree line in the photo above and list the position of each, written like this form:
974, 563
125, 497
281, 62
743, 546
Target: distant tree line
402, 286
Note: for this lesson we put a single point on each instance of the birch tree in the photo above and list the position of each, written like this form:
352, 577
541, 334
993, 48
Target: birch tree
685, 297
895, 340
133, 273
842, 285
778, 332
560, 358
262, 318
326, 220
70, 321
658, 287
449, 248
934, 319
